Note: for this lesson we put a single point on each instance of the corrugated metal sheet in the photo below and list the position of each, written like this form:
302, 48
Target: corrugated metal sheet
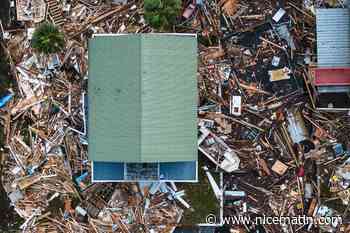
114, 99
143, 98
333, 37
169, 98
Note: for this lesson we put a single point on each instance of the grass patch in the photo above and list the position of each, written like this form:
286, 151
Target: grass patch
201, 197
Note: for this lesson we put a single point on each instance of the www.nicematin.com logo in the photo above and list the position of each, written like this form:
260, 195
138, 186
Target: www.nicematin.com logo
274, 220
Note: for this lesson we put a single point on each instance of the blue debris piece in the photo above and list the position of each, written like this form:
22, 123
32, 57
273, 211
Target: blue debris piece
199, 2
65, 215
81, 178
251, 134
31, 169
347, 153
115, 227
338, 149
5, 99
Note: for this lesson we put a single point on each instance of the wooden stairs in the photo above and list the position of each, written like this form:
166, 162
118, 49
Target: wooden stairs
55, 12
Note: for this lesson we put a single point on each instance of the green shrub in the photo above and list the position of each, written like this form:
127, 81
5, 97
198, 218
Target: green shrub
161, 14
48, 39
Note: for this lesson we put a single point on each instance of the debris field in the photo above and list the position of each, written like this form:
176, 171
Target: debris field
258, 120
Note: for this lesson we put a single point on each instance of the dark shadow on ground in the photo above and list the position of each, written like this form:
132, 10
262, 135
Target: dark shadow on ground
9, 220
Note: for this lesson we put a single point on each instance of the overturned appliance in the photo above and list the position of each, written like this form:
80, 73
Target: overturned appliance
216, 150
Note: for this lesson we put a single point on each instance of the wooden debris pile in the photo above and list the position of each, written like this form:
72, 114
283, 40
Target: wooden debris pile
46, 171
258, 116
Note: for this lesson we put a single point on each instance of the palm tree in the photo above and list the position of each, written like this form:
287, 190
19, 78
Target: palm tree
48, 39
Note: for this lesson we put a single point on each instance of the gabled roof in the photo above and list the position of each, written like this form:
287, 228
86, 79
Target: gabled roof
142, 98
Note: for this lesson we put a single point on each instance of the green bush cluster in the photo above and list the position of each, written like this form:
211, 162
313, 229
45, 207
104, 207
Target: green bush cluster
161, 14
48, 39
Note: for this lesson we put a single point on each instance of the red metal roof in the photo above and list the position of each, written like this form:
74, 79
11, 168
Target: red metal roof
332, 76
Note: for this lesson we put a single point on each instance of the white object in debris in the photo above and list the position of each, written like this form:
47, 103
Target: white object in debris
35, 212
173, 186
206, 123
309, 4
30, 32
66, 8
279, 14
307, 58
122, 28
245, 207
216, 189
56, 194
147, 203
204, 134
247, 52
15, 196
296, 126
231, 161
179, 194
344, 170
80, 211
123, 2
16, 170
275, 61
142, 20
210, 141
183, 202
234, 230
308, 191
7, 35
28, 63
236, 105
233, 193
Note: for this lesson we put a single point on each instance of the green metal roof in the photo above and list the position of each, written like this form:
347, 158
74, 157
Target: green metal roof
142, 98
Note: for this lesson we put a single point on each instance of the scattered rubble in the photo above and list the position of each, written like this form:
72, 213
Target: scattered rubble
46, 172
257, 104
